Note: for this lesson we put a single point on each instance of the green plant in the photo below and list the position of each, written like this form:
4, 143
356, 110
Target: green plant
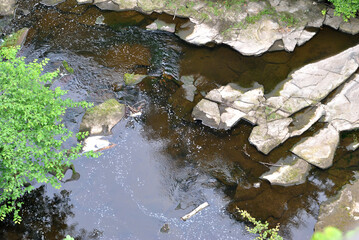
68, 237
31, 132
329, 233
67, 67
345, 8
333, 233
260, 228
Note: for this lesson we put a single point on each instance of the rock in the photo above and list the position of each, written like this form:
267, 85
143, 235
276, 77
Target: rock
342, 111
268, 136
108, 5
84, 1
7, 7
188, 86
100, 20
289, 174
95, 143
208, 112
133, 79
313, 82
332, 20
126, 4
341, 211
351, 26
52, 2
234, 105
162, 25
165, 228
102, 118
352, 147
319, 149
16, 39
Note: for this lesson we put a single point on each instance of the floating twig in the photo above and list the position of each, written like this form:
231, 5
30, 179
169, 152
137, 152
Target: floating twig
195, 211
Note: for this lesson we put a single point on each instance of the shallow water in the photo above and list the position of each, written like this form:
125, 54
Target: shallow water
164, 164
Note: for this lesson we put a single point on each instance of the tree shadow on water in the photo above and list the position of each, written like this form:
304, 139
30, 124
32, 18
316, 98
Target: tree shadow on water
44, 217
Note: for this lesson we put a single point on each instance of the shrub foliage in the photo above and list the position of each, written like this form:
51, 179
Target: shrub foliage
31, 132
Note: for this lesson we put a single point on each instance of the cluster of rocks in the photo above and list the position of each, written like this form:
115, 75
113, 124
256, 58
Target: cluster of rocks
305, 88
213, 24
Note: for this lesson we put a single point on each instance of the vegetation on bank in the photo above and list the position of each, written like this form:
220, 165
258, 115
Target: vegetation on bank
31, 131
345, 8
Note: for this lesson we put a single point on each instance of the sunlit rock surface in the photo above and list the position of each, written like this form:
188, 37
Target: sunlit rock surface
288, 174
102, 118
228, 105
341, 211
342, 114
7, 7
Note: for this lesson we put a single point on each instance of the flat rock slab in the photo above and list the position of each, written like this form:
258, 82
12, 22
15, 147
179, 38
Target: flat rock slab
313, 82
343, 110
341, 211
289, 174
268, 136
319, 149
102, 118
208, 112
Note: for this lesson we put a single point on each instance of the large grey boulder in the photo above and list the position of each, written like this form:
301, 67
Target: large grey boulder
341, 211
102, 118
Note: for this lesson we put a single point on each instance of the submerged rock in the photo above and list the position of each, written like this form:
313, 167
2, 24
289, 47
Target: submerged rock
289, 174
341, 211
102, 118
133, 79
188, 86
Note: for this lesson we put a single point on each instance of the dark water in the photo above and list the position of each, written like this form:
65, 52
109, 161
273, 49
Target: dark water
164, 164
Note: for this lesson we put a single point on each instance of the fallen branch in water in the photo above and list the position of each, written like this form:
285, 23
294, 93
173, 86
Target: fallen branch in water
195, 211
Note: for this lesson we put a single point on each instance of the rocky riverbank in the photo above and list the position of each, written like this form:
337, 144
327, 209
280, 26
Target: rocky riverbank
251, 28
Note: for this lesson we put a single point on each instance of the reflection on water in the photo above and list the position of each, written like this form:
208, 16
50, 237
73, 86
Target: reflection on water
164, 164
